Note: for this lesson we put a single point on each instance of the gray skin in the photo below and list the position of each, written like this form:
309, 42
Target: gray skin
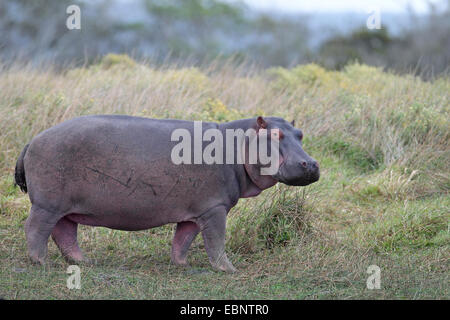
116, 172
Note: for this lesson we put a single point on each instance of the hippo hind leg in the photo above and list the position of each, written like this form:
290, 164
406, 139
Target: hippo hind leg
184, 235
38, 227
65, 236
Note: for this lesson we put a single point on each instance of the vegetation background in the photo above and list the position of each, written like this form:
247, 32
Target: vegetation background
380, 133
195, 31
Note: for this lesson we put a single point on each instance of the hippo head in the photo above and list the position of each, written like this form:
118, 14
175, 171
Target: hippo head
296, 167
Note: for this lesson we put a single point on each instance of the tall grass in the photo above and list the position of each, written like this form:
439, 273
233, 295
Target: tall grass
369, 117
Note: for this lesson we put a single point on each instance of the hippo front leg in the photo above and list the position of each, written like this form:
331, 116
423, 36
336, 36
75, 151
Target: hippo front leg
213, 225
184, 235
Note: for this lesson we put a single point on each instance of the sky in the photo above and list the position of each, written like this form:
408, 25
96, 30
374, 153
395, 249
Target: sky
321, 6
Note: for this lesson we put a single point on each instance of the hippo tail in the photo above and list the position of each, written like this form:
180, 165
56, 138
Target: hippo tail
19, 174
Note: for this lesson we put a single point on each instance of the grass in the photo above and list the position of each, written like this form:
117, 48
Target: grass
382, 141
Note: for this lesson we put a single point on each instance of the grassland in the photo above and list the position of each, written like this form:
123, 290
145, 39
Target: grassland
382, 141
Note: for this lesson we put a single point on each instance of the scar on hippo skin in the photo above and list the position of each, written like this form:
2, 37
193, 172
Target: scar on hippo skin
108, 176
61, 170
150, 186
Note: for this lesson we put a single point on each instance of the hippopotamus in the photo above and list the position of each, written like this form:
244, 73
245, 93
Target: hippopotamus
117, 171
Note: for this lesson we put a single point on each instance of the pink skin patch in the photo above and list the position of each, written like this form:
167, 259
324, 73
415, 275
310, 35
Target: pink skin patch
65, 236
184, 235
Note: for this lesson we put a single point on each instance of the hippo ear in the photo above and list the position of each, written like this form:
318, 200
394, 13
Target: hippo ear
262, 124
254, 170
293, 123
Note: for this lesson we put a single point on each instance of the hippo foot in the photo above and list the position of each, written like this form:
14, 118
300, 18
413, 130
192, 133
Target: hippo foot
37, 260
226, 268
179, 262
78, 261
224, 265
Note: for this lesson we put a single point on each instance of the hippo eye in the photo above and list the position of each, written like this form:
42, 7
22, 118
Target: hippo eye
276, 134
300, 136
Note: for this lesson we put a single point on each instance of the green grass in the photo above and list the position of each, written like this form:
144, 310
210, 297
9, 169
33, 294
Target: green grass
382, 142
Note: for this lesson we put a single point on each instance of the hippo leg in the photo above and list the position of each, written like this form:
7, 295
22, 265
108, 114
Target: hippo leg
65, 236
213, 231
184, 235
38, 228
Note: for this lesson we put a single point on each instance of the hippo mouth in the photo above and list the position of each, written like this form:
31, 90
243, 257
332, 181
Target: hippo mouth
300, 178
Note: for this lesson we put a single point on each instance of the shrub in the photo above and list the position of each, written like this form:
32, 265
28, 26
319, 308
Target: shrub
113, 60
310, 75
216, 110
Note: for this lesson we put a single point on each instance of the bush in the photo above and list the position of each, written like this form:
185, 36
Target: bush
215, 110
117, 60
310, 75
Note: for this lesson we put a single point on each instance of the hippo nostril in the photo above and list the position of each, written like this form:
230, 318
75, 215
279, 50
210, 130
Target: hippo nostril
304, 164
315, 165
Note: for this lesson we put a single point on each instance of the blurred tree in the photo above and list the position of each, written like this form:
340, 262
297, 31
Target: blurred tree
362, 45
423, 48
207, 28
31, 26
196, 28
36, 30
